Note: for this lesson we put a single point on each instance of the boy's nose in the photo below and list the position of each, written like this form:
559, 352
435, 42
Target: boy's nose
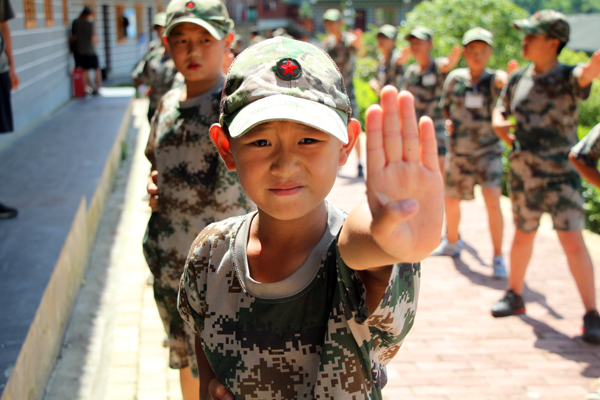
285, 164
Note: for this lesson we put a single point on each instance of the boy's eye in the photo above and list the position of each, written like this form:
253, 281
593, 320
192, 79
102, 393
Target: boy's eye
308, 141
260, 143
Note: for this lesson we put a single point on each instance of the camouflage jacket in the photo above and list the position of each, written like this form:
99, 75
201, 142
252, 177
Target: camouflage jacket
470, 108
588, 150
389, 72
158, 71
195, 188
426, 86
309, 336
545, 110
344, 55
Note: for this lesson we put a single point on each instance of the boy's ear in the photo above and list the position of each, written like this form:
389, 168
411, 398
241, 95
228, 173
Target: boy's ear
353, 133
229, 39
221, 142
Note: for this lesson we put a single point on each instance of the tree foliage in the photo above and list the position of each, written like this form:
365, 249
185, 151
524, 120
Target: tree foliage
450, 19
564, 6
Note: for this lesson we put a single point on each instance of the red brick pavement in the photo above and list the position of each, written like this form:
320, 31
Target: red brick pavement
456, 350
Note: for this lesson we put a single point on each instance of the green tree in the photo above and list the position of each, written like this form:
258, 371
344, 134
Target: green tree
564, 6
450, 19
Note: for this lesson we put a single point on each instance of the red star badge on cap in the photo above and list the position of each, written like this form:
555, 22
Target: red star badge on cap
190, 4
289, 68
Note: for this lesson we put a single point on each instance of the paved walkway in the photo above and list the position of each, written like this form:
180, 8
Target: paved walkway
456, 350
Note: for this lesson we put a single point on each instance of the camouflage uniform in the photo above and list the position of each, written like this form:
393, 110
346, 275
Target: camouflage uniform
474, 150
541, 177
310, 336
426, 86
344, 55
158, 70
195, 189
389, 72
588, 150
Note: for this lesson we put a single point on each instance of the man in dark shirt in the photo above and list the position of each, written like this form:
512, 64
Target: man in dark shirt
82, 44
8, 80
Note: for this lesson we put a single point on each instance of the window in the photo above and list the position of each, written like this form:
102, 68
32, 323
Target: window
121, 29
139, 19
385, 15
65, 12
30, 17
49, 12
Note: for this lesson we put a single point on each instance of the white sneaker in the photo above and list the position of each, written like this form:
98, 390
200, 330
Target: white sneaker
448, 249
499, 267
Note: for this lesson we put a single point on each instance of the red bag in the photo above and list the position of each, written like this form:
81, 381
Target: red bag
78, 84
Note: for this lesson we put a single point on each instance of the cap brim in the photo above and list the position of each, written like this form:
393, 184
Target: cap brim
418, 36
281, 107
478, 39
216, 33
525, 26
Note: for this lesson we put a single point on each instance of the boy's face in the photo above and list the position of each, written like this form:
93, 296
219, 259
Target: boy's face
196, 53
333, 27
477, 54
285, 167
159, 31
538, 47
419, 47
384, 43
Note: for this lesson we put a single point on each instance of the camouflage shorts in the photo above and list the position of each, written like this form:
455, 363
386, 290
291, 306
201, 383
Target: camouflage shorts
560, 197
166, 286
463, 172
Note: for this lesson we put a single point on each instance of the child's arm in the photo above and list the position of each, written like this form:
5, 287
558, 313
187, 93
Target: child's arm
403, 220
210, 387
502, 126
590, 71
451, 61
590, 173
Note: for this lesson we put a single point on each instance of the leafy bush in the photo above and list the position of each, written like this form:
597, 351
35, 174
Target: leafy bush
589, 110
364, 98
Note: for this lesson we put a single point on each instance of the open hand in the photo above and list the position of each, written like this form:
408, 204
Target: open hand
404, 183
404, 56
512, 66
591, 70
152, 189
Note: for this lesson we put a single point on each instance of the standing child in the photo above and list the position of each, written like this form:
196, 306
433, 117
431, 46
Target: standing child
191, 187
543, 99
298, 300
474, 151
425, 80
391, 59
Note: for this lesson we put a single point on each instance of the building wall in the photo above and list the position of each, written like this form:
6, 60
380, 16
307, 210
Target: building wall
43, 60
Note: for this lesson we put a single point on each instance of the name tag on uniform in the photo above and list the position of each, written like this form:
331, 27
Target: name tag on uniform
429, 80
473, 100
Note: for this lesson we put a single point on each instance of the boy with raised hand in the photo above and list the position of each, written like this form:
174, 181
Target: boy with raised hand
425, 80
190, 186
299, 300
543, 99
474, 152
585, 155
391, 59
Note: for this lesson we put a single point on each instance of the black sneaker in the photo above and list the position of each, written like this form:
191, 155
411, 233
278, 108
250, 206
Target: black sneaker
591, 327
510, 304
360, 171
7, 212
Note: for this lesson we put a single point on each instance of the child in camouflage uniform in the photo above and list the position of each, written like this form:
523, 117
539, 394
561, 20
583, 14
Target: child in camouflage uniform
391, 59
543, 99
585, 155
425, 80
343, 47
193, 187
298, 300
474, 151
156, 69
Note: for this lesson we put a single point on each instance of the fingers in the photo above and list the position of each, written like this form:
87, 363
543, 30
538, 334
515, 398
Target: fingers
392, 139
429, 151
218, 391
392, 214
410, 133
375, 152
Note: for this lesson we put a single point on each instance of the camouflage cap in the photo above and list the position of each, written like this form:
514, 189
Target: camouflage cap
478, 34
546, 22
332, 15
160, 19
212, 15
420, 32
388, 31
285, 79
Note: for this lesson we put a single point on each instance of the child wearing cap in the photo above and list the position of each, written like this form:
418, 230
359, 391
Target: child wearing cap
474, 152
543, 99
156, 71
343, 46
585, 155
425, 80
391, 59
300, 300
190, 187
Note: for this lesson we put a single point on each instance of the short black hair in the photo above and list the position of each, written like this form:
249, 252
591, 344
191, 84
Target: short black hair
561, 46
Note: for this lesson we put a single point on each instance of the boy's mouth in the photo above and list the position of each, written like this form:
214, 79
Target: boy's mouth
193, 65
286, 190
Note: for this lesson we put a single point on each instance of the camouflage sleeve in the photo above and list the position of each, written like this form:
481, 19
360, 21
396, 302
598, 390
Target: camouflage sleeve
406, 78
138, 71
588, 149
494, 89
503, 103
581, 93
151, 145
445, 100
395, 315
